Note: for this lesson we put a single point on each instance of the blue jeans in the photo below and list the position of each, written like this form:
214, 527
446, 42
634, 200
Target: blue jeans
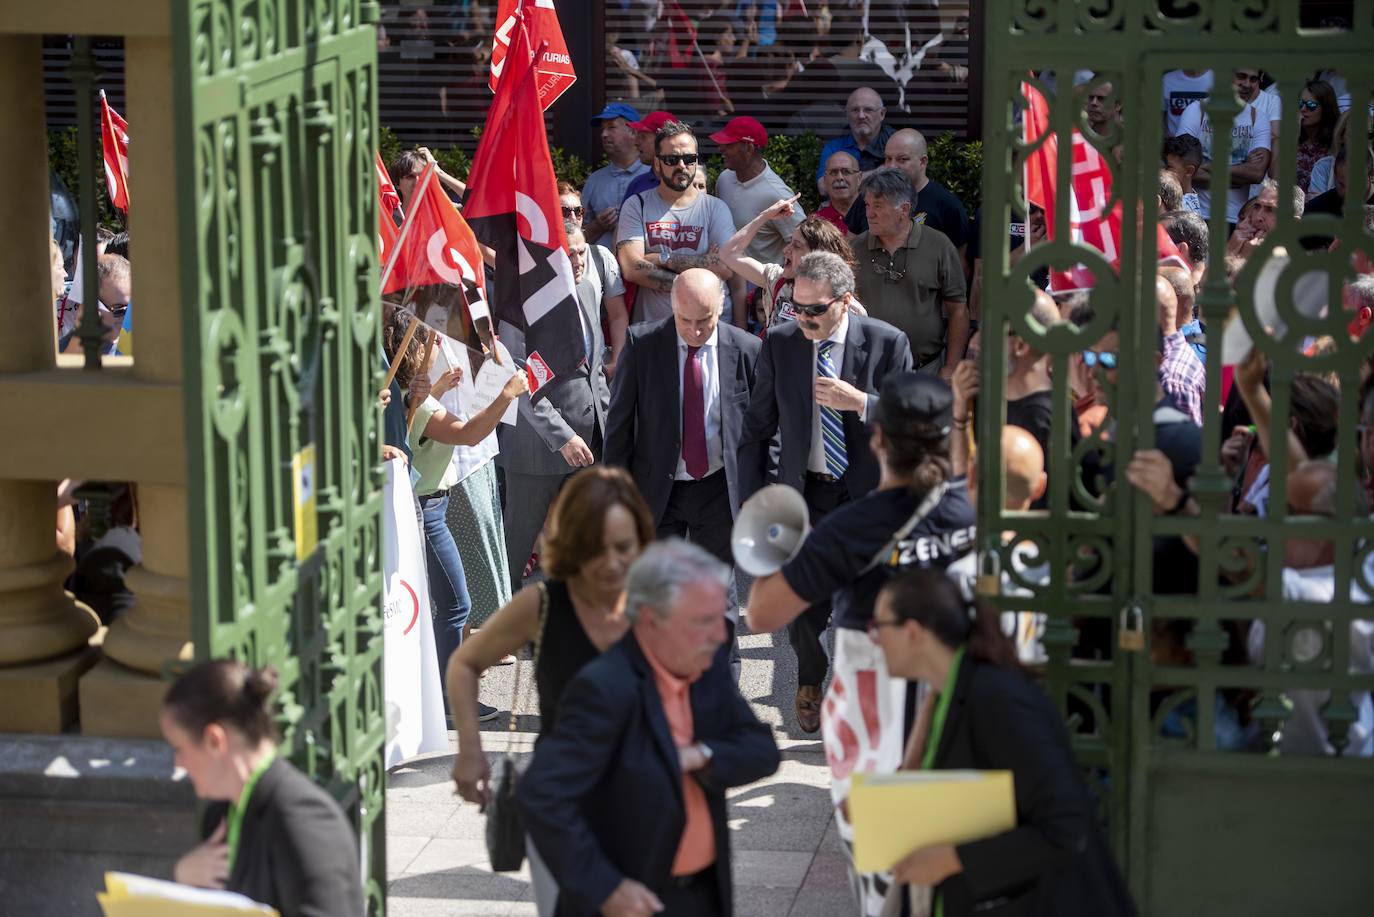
448, 589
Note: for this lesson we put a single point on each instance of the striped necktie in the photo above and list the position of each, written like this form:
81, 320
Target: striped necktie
832, 425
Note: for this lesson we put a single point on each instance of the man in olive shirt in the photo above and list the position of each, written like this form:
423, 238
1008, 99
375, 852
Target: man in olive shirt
909, 274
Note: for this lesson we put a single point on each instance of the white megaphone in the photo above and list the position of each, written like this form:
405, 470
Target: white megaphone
771, 527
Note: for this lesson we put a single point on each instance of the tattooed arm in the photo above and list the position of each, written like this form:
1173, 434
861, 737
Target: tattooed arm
643, 269
677, 262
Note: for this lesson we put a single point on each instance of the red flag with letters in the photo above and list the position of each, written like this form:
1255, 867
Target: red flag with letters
114, 149
513, 206
554, 68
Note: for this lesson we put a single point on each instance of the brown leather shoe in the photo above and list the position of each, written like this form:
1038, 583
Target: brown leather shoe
808, 705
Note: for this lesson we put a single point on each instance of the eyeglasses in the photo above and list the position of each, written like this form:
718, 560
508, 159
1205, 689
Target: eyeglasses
840, 173
673, 159
889, 272
814, 309
1309, 104
875, 627
572, 212
1104, 358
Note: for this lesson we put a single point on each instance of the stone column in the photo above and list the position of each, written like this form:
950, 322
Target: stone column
121, 696
44, 632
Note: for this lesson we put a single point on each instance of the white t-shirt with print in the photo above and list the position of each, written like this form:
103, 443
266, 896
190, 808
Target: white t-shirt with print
1180, 91
1249, 132
690, 228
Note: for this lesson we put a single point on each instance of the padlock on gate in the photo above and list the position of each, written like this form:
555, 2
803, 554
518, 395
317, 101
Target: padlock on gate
988, 585
1130, 633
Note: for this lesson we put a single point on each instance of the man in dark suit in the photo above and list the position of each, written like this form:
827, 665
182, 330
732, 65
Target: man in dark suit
625, 798
677, 409
563, 432
816, 386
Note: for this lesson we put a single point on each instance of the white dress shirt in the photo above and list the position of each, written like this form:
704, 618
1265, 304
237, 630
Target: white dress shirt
816, 461
710, 392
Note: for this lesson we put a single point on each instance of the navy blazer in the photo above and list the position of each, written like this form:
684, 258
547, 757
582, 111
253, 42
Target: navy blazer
1055, 862
602, 799
644, 423
784, 400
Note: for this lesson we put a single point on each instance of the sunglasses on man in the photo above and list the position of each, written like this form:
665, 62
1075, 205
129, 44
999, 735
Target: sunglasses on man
814, 309
675, 159
1104, 358
572, 212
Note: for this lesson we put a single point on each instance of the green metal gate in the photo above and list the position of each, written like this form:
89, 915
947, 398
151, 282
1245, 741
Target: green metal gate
1198, 829
276, 119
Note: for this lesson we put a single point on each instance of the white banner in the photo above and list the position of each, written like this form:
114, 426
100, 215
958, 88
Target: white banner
414, 694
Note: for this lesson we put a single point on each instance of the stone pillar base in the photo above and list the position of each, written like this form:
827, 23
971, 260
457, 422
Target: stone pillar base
42, 696
117, 701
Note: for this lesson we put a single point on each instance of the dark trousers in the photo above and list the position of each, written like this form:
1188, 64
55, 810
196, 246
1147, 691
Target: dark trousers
699, 511
695, 896
805, 632
448, 587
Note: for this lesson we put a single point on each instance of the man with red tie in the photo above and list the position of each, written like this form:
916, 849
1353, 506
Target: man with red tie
677, 410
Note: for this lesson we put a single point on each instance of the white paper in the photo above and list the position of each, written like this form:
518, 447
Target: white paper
491, 378
148, 887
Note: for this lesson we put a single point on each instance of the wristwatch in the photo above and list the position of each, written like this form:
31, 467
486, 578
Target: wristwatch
705, 753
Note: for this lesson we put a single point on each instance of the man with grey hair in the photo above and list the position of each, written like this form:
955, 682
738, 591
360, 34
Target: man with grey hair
625, 798
910, 275
816, 387
934, 205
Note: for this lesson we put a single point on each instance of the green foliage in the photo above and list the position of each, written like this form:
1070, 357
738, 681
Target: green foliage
389, 145
795, 160
63, 160
959, 167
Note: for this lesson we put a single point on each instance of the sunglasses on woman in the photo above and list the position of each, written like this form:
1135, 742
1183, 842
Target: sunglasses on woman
1309, 104
673, 159
1104, 358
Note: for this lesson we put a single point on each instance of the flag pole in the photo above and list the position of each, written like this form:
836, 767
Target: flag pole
423, 182
400, 351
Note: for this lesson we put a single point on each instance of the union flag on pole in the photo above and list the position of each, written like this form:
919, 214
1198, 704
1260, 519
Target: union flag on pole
513, 207
388, 201
554, 67
114, 149
435, 246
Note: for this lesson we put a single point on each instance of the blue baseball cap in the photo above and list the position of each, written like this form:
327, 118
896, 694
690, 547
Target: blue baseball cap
616, 110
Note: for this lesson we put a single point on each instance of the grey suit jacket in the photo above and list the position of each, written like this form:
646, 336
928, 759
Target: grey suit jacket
644, 426
784, 399
575, 405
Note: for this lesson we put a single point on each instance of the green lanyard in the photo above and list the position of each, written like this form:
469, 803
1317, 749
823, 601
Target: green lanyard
937, 726
235, 826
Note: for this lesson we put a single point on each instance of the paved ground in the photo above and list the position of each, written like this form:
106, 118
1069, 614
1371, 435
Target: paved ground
788, 860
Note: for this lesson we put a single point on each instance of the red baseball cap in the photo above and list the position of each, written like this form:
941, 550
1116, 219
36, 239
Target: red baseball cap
653, 121
742, 129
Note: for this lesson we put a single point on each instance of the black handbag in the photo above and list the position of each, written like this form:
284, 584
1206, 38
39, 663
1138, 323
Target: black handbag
505, 831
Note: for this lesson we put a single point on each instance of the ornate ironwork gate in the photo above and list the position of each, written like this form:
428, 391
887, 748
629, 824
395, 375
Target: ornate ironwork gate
1200, 828
276, 120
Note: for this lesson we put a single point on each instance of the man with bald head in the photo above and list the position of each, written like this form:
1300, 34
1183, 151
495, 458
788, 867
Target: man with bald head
681, 388
1030, 405
936, 206
867, 136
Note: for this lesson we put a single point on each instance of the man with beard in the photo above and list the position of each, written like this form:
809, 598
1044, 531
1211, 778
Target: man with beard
672, 228
605, 188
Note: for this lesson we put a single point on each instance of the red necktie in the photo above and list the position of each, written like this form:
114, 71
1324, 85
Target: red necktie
693, 416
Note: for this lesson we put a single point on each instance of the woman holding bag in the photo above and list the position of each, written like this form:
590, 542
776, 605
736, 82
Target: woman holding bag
598, 526
983, 713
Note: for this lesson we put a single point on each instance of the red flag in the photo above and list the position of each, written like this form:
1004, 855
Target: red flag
555, 66
681, 33
387, 203
513, 206
438, 248
114, 149
1090, 223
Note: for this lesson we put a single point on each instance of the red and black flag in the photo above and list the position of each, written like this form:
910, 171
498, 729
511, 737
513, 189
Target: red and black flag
512, 206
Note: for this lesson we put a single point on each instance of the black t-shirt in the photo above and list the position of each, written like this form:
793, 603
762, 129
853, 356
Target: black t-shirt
1034, 414
834, 555
936, 207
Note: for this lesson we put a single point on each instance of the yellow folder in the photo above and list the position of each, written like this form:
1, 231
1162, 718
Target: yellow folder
128, 895
894, 814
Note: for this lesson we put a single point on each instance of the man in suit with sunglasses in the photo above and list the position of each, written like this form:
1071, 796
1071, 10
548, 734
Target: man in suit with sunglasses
815, 388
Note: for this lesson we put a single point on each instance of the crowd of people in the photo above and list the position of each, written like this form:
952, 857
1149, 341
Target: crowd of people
734, 341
